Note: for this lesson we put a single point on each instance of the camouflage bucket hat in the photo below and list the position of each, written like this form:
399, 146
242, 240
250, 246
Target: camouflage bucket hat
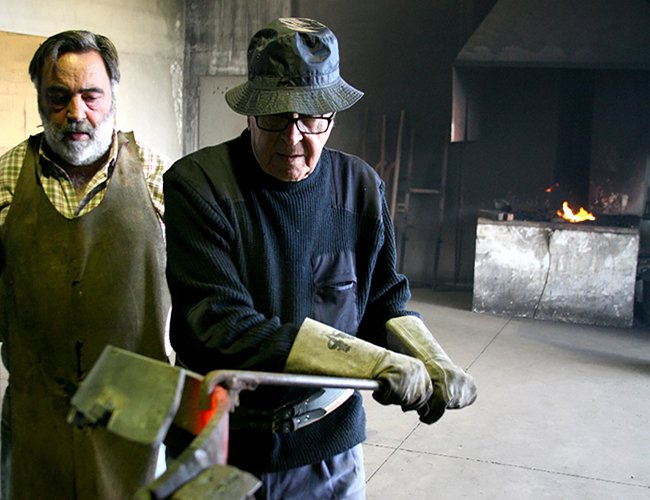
293, 66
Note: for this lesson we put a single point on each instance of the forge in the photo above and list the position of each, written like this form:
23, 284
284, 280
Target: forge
551, 270
550, 103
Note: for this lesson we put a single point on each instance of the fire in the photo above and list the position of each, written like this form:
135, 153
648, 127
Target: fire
567, 214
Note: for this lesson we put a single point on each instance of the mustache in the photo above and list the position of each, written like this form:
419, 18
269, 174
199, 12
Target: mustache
77, 127
61, 133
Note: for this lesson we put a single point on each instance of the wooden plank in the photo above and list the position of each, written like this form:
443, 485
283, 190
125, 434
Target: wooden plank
18, 106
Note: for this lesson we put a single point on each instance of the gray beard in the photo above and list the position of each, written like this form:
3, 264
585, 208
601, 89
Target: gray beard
80, 153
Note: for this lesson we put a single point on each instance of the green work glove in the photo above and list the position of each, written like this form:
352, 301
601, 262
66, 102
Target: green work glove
452, 387
320, 349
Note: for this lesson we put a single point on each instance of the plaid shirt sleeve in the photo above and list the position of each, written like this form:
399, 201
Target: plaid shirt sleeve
154, 166
10, 164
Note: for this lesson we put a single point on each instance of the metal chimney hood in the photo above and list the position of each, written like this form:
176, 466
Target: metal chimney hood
603, 34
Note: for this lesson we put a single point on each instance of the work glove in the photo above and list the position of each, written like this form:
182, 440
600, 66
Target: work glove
452, 387
320, 349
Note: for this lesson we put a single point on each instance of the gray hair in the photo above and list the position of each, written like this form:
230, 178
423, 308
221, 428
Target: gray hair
75, 41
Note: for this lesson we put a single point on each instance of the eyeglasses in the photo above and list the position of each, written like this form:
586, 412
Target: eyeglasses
306, 124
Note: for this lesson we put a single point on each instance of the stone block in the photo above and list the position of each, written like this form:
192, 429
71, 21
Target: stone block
556, 271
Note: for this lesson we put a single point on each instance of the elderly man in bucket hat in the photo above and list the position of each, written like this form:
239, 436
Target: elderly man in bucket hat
281, 257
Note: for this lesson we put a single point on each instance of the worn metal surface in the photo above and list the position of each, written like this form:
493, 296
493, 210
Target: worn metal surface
207, 451
219, 482
556, 271
142, 399
134, 396
148, 401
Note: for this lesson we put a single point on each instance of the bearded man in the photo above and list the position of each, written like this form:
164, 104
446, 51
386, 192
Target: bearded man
81, 266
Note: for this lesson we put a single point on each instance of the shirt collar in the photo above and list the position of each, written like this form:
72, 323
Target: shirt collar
49, 167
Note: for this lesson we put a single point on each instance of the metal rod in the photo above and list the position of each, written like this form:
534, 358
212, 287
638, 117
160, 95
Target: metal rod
249, 380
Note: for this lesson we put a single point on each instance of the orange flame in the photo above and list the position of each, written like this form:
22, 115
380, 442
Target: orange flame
567, 214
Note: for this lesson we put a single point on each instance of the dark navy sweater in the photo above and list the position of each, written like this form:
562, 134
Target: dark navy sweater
250, 257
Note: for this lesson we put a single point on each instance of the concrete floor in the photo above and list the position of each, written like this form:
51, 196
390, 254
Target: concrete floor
563, 412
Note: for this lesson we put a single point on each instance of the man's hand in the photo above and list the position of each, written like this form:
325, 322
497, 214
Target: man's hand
322, 350
453, 387
404, 381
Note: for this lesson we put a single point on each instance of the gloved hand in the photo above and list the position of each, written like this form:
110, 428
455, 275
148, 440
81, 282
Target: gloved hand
320, 349
452, 387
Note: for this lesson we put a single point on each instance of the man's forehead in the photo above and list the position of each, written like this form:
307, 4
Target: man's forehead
76, 65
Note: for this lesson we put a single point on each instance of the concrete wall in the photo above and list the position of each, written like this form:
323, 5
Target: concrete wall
217, 37
149, 35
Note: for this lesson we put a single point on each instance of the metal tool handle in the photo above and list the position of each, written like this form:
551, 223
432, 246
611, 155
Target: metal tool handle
237, 380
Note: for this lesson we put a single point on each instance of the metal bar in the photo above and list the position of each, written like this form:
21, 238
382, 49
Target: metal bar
228, 377
238, 380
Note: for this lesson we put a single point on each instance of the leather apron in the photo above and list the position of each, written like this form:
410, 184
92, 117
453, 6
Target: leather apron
69, 288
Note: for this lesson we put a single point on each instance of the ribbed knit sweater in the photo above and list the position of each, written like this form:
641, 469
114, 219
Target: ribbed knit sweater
250, 257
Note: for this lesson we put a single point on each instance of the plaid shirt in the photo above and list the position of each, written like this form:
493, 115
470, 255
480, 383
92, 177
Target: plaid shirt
59, 189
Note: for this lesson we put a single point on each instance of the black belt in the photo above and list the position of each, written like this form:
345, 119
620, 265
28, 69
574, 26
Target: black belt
292, 416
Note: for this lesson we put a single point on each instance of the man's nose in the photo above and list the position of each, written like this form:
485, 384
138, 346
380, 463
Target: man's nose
292, 134
76, 110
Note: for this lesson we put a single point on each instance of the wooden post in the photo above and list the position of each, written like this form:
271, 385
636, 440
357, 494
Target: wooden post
398, 154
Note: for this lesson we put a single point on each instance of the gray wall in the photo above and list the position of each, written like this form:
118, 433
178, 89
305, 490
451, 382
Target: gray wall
216, 41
